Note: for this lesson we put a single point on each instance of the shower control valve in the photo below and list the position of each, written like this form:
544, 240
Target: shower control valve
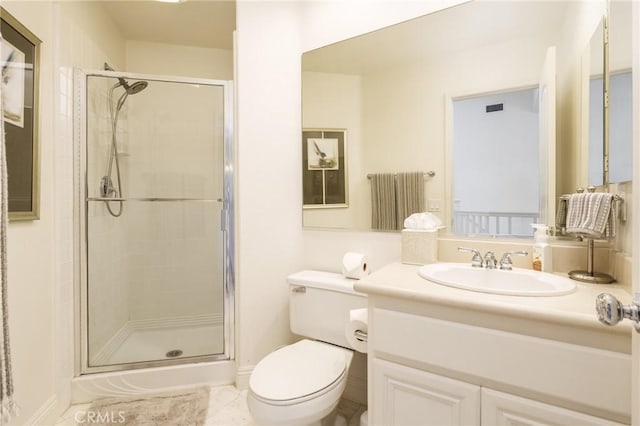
106, 187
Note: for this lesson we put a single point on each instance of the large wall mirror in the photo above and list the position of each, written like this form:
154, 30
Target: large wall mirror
484, 68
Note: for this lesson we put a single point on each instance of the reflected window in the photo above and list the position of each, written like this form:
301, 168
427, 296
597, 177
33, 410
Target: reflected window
495, 164
620, 129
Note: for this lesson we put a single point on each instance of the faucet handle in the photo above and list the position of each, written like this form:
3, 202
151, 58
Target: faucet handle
505, 262
476, 260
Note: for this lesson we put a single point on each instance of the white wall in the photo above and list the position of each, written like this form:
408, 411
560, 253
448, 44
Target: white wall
269, 216
170, 59
334, 101
31, 289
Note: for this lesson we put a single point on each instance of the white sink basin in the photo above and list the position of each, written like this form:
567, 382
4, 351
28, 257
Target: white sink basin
518, 282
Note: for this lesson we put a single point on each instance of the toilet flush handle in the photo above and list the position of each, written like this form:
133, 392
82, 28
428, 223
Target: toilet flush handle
361, 335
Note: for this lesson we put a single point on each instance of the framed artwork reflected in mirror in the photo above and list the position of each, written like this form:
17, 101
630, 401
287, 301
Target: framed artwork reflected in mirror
324, 168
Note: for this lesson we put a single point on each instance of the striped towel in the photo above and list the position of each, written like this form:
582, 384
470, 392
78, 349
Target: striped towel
383, 201
561, 214
591, 214
409, 196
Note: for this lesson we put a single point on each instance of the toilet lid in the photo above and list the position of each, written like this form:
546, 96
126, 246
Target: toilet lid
297, 370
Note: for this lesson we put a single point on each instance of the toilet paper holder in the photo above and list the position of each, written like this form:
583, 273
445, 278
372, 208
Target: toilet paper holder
361, 335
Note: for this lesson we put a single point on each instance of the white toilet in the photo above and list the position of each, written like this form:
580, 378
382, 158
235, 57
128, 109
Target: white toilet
301, 384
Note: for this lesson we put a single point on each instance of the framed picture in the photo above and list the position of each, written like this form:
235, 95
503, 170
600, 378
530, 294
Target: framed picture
20, 57
324, 168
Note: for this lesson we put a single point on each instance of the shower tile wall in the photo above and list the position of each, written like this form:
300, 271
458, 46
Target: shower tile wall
175, 150
107, 262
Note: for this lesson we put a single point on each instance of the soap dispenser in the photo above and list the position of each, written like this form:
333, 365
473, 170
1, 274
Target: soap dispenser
541, 258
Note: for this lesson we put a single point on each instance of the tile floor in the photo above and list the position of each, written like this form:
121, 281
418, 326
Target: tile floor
228, 407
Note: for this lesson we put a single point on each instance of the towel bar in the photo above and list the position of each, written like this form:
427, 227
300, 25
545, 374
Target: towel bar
430, 173
589, 275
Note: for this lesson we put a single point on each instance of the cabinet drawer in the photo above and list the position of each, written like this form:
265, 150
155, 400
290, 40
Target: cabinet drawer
555, 370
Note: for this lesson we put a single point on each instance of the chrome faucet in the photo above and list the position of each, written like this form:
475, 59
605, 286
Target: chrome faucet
505, 262
490, 261
476, 260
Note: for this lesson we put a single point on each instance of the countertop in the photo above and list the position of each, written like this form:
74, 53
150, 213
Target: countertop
577, 309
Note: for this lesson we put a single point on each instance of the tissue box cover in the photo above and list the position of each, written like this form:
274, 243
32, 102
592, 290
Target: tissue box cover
419, 246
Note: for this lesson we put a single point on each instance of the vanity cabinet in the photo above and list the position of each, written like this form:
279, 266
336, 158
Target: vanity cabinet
499, 408
405, 396
408, 396
429, 371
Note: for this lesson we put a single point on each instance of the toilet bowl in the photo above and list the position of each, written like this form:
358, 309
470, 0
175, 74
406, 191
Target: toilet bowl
300, 384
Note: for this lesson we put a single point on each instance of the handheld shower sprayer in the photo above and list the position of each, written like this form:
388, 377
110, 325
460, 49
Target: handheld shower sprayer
107, 187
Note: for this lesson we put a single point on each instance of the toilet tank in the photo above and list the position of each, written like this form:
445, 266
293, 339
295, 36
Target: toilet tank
319, 305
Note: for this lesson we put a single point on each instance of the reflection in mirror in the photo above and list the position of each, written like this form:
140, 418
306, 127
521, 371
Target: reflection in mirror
620, 101
391, 90
495, 153
595, 60
620, 91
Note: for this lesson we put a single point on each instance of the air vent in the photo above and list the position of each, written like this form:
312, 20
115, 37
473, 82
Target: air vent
495, 107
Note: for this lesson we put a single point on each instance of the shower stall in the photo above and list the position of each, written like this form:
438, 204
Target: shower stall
154, 228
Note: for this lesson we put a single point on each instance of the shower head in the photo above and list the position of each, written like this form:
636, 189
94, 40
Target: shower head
132, 89
135, 87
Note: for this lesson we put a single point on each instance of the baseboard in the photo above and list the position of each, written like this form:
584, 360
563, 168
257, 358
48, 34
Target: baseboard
46, 414
243, 374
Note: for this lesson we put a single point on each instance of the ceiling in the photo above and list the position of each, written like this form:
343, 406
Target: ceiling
463, 27
201, 23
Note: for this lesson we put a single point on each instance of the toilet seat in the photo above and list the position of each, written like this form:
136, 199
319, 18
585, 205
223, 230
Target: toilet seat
298, 372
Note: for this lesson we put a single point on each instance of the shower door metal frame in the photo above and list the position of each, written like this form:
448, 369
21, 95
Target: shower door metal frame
81, 198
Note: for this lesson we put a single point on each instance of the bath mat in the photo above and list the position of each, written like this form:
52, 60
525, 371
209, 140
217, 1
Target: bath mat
185, 408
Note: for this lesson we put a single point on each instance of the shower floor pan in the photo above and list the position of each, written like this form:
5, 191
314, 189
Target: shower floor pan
135, 344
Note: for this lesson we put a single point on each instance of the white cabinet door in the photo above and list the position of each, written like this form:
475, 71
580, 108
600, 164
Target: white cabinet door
502, 409
404, 396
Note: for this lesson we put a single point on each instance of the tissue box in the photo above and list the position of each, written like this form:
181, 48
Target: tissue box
419, 246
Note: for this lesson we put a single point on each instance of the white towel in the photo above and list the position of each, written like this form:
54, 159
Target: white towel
591, 214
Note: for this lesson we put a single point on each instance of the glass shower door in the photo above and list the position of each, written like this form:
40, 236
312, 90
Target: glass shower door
153, 209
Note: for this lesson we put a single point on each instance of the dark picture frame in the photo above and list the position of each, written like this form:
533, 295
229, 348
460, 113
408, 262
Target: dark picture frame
20, 60
324, 168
